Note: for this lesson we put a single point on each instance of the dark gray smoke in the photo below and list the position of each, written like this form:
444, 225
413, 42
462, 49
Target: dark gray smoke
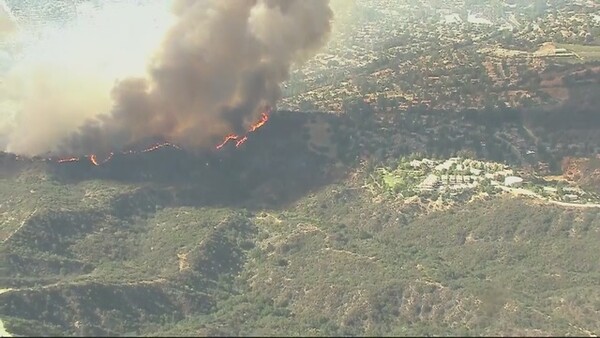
218, 68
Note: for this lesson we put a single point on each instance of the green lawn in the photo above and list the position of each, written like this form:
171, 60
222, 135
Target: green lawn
587, 53
391, 180
405, 178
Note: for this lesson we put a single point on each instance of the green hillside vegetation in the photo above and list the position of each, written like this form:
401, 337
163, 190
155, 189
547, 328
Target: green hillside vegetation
282, 238
587, 53
332, 263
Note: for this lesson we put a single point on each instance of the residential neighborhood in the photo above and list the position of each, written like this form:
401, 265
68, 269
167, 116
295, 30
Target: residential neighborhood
394, 58
397, 54
446, 179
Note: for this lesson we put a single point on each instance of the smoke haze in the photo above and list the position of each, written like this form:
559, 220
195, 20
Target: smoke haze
7, 21
217, 68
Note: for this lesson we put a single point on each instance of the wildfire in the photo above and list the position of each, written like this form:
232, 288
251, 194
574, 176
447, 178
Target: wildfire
241, 141
227, 139
109, 157
70, 159
264, 117
94, 158
161, 145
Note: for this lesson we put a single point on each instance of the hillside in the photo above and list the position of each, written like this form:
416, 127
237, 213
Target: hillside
586, 171
282, 237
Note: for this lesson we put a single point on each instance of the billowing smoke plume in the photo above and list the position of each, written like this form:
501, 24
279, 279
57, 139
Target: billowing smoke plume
217, 69
57, 73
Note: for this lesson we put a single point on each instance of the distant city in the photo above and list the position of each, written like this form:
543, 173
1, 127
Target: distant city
453, 54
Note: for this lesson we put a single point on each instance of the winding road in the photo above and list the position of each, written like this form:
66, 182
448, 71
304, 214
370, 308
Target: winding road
520, 191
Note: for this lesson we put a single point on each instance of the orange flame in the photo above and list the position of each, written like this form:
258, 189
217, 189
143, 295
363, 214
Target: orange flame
71, 159
94, 158
241, 141
160, 145
264, 117
227, 139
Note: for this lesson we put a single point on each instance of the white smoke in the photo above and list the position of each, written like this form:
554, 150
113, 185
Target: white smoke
219, 63
56, 78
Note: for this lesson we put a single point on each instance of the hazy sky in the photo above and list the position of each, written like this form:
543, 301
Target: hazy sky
190, 75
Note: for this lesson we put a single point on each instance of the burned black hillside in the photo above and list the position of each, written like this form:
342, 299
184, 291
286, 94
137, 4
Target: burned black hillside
278, 163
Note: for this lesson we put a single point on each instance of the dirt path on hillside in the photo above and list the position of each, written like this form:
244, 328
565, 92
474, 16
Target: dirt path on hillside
566, 204
530, 133
520, 191
159, 280
20, 226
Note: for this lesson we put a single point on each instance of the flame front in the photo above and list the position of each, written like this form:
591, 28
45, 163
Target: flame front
70, 159
94, 158
109, 157
241, 141
160, 145
227, 139
264, 117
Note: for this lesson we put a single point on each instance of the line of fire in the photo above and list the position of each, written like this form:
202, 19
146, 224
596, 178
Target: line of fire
239, 140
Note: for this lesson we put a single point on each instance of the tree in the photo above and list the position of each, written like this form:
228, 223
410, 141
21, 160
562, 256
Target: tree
382, 101
307, 105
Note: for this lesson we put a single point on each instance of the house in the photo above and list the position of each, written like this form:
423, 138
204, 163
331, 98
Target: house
430, 182
513, 181
571, 197
572, 190
415, 163
475, 172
